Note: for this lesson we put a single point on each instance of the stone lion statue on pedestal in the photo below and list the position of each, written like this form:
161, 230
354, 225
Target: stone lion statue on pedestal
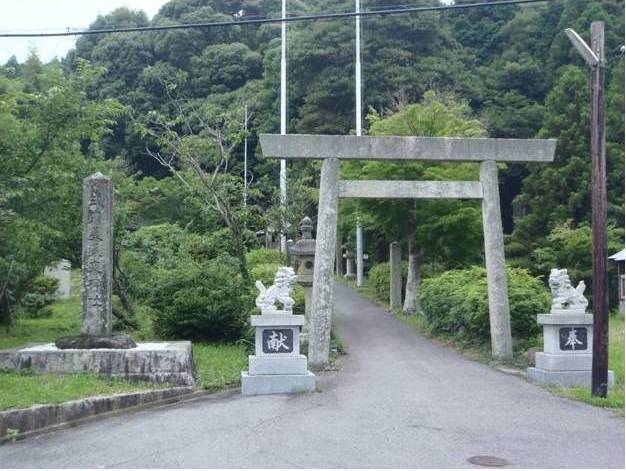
280, 292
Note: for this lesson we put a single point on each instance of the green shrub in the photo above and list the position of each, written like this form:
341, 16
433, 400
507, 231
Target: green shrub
201, 301
265, 256
164, 247
456, 303
378, 279
42, 293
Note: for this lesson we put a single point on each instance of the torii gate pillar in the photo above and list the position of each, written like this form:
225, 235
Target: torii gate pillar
323, 284
497, 288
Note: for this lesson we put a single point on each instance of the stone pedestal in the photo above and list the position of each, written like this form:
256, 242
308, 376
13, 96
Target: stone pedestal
159, 362
567, 346
277, 367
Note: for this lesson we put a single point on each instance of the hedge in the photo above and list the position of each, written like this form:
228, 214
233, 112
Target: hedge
456, 303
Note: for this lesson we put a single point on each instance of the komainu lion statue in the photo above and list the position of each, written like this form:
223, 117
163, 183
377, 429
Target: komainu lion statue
280, 292
564, 295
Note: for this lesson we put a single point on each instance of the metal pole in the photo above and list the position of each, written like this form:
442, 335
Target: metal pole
359, 119
245, 156
357, 74
283, 119
600, 364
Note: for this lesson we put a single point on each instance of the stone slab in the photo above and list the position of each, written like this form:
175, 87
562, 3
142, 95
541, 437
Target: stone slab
409, 189
551, 338
568, 379
307, 146
293, 342
97, 259
267, 365
276, 384
276, 320
62, 272
564, 362
159, 362
565, 319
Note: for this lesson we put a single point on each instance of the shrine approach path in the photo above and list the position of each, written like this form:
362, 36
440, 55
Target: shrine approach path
398, 400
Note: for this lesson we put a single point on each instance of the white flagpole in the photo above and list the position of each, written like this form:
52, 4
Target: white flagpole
357, 78
283, 118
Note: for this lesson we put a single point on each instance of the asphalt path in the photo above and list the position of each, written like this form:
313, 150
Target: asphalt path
398, 400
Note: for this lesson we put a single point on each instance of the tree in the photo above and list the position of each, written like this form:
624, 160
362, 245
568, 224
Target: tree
197, 148
437, 229
49, 142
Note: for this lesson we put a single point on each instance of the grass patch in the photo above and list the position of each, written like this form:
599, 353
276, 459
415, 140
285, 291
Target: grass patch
219, 365
65, 320
20, 390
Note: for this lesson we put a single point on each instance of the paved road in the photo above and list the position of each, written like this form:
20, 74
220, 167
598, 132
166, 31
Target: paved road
400, 400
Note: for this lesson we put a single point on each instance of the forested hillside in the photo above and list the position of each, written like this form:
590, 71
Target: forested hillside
155, 107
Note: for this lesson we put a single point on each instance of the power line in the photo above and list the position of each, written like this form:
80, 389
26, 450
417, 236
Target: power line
258, 21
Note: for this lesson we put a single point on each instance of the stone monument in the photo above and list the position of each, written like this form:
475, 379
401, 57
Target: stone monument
96, 349
304, 252
277, 366
61, 271
567, 336
97, 328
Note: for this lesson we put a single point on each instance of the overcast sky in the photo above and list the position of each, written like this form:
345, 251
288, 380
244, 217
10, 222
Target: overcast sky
55, 15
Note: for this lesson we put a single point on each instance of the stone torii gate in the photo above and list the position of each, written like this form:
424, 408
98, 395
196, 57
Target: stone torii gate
332, 149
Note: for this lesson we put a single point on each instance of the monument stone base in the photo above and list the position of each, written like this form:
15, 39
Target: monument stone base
253, 385
566, 379
158, 362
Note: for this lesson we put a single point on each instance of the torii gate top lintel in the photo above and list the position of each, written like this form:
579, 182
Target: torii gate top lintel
470, 149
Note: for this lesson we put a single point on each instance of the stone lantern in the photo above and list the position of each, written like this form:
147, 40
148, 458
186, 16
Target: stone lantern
304, 253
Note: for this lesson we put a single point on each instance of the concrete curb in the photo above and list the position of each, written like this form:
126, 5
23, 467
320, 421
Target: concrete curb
22, 423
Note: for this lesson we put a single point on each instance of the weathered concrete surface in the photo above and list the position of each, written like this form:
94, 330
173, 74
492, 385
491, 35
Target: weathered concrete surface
92, 341
258, 385
97, 255
160, 362
38, 417
567, 379
323, 283
409, 189
497, 287
395, 276
306, 146
400, 400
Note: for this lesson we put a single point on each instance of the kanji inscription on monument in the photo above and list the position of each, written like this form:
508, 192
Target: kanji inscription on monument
277, 341
573, 338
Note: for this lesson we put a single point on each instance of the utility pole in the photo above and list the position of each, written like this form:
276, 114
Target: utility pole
594, 56
283, 123
359, 119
